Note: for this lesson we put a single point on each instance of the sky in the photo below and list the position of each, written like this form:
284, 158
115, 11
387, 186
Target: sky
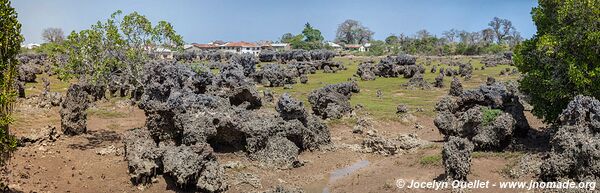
201, 21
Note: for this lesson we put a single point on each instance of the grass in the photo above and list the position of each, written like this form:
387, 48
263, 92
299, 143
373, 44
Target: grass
394, 93
381, 109
113, 126
105, 114
431, 160
34, 88
508, 169
489, 115
504, 155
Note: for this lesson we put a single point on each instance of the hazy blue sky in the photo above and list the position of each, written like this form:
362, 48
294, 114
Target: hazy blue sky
228, 20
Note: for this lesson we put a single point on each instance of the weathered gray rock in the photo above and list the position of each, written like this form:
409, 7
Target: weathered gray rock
247, 61
456, 88
44, 134
332, 101
273, 75
439, 81
490, 81
575, 144
489, 116
400, 144
303, 79
394, 66
187, 113
283, 189
142, 155
380, 145
456, 156
194, 166
20, 87
26, 73
268, 95
73, 113
401, 108
366, 71
279, 152
267, 56
417, 81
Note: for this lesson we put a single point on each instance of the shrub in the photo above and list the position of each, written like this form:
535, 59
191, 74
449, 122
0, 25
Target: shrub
431, 160
489, 115
562, 60
11, 42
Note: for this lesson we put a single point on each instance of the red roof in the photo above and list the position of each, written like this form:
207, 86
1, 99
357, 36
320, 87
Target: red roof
241, 44
205, 45
353, 46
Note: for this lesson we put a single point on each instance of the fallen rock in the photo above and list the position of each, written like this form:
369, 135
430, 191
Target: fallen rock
73, 111
401, 144
194, 166
489, 116
456, 156
332, 101
575, 143
44, 134
456, 88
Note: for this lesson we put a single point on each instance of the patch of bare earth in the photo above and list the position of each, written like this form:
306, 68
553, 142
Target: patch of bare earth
94, 162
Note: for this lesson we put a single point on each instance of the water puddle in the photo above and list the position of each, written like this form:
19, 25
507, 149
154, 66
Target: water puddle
323, 186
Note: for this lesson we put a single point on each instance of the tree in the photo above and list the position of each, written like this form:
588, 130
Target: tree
118, 45
392, 39
352, 32
514, 39
311, 34
488, 35
297, 42
285, 38
10, 44
562, 59
450, 35
501, 28
53, 35
423, 34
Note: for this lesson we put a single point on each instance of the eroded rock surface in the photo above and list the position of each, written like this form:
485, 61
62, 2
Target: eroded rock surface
575, 144
456, 156
332, 101
488, 116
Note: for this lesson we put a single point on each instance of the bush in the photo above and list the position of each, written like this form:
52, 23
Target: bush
489, 115
431, 160
11, 42
562, 60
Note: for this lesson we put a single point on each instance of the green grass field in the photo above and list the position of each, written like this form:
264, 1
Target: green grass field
383, 108
394, 93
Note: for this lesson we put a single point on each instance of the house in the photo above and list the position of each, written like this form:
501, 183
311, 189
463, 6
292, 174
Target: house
202, 47
241, 48
280, 46
334, 46
357, 47
163, 53
31, 46
276, 46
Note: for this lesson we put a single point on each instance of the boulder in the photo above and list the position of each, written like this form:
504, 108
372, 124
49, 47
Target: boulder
73, 113
456, 156
332, 101
575, 143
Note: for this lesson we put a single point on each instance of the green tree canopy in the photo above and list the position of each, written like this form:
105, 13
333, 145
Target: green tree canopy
562, 59
10, 44
312, 34
117, 45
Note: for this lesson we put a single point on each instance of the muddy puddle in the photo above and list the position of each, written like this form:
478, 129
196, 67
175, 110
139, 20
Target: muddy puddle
323, 185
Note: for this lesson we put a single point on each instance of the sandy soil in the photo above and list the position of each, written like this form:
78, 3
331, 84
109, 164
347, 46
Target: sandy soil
75, 164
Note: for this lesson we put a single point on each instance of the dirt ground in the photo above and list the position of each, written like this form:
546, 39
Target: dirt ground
94, 162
